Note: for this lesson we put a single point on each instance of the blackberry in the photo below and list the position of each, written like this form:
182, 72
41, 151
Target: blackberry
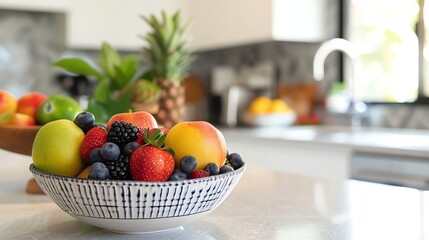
122, 133
120, 169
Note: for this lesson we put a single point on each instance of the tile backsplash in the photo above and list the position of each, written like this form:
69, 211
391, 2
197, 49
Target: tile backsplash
30, 42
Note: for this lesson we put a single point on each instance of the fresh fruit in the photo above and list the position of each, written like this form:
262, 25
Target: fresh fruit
150, 162
130, 147
98, 171
84, 173
95, 155
8, 103
177, 175
85, 120
163, 130
141, 119
198, 174
188, 164
57, 107
30, 103
235, 160
169, 74
260, 105
120, 169
199, 139
212, 169
122, 133
20, 119
56, 148
110, 152
278, 106
225, 169
94, 138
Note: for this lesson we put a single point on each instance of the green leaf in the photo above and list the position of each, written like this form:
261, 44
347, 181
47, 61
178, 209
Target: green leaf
99, 111
104, 110
78, 66
102, 91
109, 57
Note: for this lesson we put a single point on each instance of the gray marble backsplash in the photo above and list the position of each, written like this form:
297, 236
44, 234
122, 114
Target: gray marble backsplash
30, 42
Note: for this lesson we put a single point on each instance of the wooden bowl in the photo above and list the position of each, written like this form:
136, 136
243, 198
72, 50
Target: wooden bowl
18, 139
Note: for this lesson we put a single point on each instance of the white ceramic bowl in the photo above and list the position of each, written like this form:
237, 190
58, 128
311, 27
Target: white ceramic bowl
136, 206
271, 119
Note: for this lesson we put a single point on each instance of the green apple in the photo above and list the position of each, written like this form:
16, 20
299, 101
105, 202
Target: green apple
56, 148
57, 107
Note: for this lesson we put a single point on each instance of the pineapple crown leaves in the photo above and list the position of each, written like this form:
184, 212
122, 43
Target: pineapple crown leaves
166, 52
157, 139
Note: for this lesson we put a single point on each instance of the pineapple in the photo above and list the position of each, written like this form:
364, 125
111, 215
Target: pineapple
168, 59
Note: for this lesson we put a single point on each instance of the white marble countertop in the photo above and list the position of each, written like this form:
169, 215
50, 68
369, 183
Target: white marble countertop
410, 142
264, 205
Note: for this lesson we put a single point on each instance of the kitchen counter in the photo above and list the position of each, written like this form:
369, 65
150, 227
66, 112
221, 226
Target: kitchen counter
266, 204
410, 142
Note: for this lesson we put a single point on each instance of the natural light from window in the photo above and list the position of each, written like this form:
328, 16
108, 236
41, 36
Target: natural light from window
384, 33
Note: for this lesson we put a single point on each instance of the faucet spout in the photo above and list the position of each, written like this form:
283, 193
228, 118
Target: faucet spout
339, 44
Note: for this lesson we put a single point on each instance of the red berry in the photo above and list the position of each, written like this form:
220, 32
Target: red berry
151, 163
198, 174
94, 138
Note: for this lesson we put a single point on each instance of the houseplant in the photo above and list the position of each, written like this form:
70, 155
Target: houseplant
116, 77
167, 58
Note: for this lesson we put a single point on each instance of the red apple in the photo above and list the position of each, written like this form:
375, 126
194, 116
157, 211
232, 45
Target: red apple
20, 119
141, 119
30, 103
8, 102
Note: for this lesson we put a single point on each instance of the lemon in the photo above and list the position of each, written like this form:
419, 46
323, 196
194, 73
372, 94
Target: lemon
56, 148
57, 107
260, 105
278, 106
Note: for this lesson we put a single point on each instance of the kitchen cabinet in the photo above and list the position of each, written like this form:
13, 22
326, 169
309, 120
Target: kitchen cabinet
225, 23
89, 23
306, 158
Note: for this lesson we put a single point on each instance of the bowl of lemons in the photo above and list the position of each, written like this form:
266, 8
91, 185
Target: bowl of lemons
266, 112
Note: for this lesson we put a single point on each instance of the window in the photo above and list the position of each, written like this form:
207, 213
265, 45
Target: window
384, 32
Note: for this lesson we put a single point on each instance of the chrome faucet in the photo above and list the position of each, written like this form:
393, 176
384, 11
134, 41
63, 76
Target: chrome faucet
339, 44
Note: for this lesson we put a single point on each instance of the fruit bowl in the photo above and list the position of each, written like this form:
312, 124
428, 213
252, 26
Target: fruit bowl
270, 119
136, 206
18, 139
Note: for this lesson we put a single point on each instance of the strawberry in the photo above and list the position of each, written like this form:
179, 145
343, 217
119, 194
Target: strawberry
151, 130
150, 162
198, 174
94, 138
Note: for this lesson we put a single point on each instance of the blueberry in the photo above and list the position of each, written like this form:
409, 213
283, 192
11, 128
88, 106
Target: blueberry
98, 171
188, 164
130, 147
110, 151
235, 160
212, 169
177, 175
225, 169
95, 155
85, 120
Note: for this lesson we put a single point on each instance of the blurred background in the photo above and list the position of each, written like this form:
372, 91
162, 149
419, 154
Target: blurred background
257, 47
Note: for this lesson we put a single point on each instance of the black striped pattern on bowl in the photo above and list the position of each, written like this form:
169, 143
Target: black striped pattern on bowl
112, 199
